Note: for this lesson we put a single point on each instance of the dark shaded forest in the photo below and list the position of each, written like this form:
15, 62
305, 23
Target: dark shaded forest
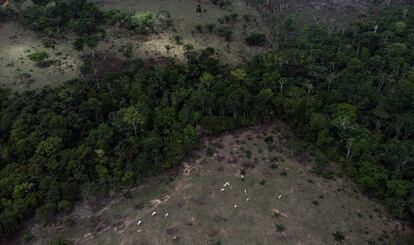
350, 92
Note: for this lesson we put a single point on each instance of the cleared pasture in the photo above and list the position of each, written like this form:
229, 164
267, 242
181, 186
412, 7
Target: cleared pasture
19, 72
279, 201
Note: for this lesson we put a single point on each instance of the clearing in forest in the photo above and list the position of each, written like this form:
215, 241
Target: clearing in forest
240, 188
29, 61
224, 28
26, 63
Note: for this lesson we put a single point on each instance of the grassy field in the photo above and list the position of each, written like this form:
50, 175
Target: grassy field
279, 201
19, 72
17, 43
185, 19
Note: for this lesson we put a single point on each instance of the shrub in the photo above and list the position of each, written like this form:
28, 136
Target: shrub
198, 28
225, 32
243, 172
248, 154
280, 227
127, 49
64, 205
46, 213
2, 14
147, 22
269, 139
163, 21
142, 22
188, 47
54, 20
209, 151
38, 56
178, 39
86, 67
127, 194
247, 18
234, 17
168, 48
256, 39
338, 236
222, 3
59, 241
41, 59
210, 27
26, 238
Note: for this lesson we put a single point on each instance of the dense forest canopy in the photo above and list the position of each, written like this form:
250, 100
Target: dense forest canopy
350, 92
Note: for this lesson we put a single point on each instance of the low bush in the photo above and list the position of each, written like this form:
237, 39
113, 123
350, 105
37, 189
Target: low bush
256, 39
225, 32
38, 56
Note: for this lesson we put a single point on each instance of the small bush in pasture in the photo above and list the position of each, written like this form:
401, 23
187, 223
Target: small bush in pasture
38, 56
199, 28
256, 39
280, 227
225, 32
127, 49
178, 39
338, 236
210, 27
209, 151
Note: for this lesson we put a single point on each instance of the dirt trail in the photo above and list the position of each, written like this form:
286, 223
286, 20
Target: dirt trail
182, 184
